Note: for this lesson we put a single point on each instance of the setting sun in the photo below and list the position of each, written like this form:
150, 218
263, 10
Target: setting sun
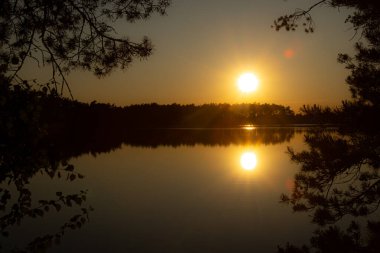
248, 82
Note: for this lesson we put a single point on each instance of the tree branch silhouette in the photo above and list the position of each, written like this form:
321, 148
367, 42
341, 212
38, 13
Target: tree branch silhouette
290, 22
339, 176
71, 34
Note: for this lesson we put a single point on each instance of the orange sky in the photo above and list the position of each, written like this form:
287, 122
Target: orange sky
201, 47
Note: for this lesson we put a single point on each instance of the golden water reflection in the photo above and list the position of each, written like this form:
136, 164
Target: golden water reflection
248, 127
248, 160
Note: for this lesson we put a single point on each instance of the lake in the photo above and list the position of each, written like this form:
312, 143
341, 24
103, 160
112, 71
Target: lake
176, 190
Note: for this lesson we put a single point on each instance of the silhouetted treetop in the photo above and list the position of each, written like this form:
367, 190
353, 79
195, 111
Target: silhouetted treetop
365, 16
71, 34
364, 79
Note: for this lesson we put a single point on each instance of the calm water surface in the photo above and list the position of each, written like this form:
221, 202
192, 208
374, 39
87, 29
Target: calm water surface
211, 191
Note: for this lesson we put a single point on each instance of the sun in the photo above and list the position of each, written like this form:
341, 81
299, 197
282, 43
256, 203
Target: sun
248, 82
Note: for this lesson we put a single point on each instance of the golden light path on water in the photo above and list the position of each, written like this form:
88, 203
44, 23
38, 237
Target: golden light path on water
248, 127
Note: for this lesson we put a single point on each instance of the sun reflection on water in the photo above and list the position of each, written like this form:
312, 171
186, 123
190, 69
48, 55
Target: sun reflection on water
248, 161
248, 127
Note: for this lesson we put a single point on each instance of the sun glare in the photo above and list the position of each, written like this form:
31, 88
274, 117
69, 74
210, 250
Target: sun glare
248, 82
248, 161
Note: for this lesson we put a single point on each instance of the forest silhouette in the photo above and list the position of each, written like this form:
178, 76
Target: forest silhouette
37, 111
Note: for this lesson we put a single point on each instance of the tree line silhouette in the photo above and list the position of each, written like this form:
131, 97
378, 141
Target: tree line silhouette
25, 111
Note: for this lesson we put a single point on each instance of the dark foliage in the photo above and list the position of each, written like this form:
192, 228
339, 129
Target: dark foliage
339, 176
333, 239
70, 34
20, 161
